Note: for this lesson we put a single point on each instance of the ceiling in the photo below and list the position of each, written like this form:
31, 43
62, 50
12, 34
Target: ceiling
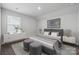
35, 9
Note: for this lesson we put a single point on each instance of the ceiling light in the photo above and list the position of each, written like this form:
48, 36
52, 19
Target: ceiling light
39, 8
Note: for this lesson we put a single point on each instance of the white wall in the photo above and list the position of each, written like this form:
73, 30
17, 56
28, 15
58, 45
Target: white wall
0, 30
68, 19
78, 26
28, 23
0, 20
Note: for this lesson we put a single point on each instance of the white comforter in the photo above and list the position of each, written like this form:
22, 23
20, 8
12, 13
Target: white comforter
44, 40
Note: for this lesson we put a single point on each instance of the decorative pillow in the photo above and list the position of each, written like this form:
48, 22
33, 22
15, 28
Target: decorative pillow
54, 34
46, 33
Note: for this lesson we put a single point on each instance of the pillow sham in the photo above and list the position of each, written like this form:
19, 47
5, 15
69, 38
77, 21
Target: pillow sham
46, 33
54, 34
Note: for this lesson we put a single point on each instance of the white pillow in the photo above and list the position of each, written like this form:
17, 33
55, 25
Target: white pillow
54, 34
46, 33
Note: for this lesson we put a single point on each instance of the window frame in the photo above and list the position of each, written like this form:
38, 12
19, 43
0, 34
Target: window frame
13, 24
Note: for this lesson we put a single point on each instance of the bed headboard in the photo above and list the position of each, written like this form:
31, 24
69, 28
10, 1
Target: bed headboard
56, 30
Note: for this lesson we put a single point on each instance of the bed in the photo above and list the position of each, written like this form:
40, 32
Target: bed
49, 43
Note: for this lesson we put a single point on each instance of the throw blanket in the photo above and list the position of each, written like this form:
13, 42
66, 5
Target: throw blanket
46, 41
58, 38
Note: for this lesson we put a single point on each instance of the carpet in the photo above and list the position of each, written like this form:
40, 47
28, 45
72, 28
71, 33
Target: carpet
18, 49
68, 50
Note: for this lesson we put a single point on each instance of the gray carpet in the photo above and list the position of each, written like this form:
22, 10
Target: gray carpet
68, 50
18, 49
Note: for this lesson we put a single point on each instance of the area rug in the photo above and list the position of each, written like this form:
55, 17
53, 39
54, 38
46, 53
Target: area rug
68, 50
18, 49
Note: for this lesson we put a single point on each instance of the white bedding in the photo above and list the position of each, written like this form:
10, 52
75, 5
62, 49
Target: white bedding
65, 38
45, 41
50, 37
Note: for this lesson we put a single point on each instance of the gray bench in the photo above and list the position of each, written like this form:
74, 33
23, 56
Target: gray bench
35, 48
26, 44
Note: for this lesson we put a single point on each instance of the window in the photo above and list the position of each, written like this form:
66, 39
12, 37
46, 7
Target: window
13, 24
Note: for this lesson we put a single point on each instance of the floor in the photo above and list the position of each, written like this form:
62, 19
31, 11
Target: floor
77, 51
9, 49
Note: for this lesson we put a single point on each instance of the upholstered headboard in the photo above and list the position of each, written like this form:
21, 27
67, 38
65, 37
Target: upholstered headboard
56, 30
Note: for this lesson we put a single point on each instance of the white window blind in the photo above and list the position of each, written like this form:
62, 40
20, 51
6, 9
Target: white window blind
13, 24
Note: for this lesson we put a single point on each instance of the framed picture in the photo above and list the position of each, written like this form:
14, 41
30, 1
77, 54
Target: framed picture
53, 23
